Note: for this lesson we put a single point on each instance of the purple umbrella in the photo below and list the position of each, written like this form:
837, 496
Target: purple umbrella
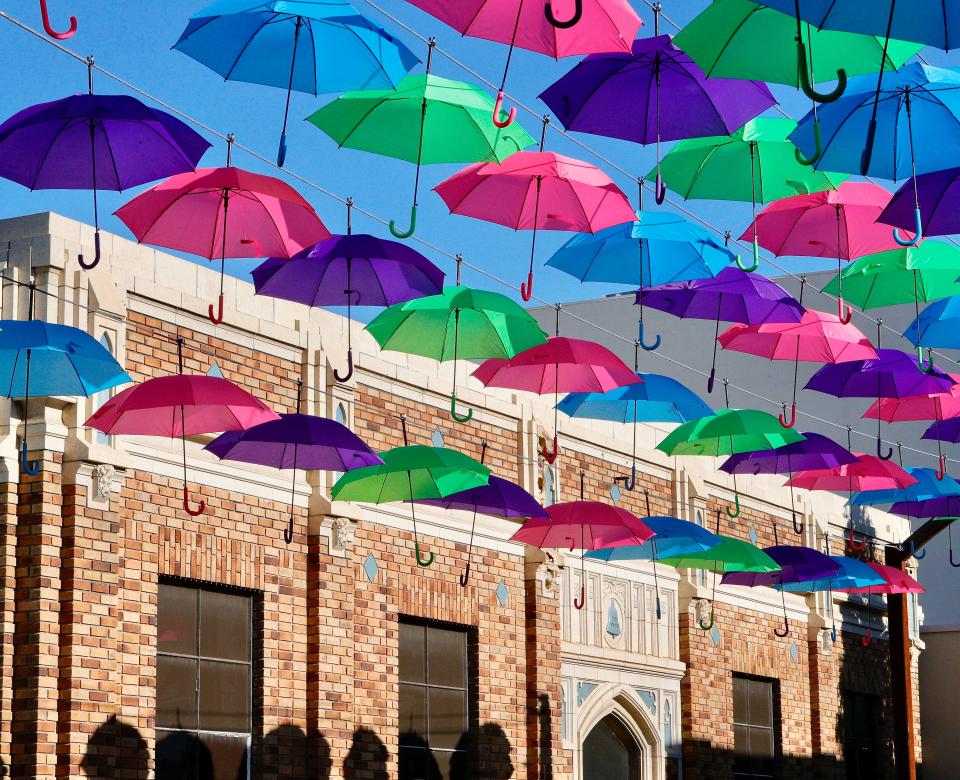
939, 192
95, 142
352, 269
944, 430
296, 441
732, 296
946, 506
618, 95
797, 564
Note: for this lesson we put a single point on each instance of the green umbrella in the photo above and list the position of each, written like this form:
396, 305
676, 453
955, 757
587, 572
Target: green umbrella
425, 120
728, 432
459, 323
411, 473
754, 164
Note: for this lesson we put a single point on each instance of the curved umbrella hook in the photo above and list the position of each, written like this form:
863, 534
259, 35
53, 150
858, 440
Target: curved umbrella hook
578, 603
955, 564
807, 87
928, 367
756, 259
880, 453
711, 380
342, 379
660, 190
288, 531
465, 577
818, 147
460, 418
845, 313
866, 640
629, 483
786, 628
917, 229
96, 254
735, 513
201, 505
526, 290
60, 36
797, 528
31, 467
549, 457
941, 468
423, 562
782, 417
710, 624
217, 318
855, 545
648, 347
498, 107
564, 25
912, 552
397, 233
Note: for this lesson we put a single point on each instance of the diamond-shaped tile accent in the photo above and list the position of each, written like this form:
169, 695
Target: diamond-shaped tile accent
615, 493
794, 653
215, 371
502, 593
370, 568
584, 689
437, 438
753, 536
715, 636
650, 699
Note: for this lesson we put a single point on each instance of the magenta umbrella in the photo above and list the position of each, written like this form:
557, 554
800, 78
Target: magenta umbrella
840, 223
189, 212
537, 191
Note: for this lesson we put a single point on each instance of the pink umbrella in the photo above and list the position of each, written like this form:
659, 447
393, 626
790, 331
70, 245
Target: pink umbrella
867, 472
840, 223
561, 365
937, 406
179, 406
897, 581
819, 337
584, 27
188, 212
537, 191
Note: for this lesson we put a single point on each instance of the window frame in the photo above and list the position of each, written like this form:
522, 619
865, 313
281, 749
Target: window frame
745, 765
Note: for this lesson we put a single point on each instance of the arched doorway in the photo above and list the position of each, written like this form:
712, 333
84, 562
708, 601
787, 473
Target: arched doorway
610, 752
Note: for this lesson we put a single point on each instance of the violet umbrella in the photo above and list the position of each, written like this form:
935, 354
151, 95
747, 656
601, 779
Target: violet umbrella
819, 337
619, 95
95, 142
352, 269
577, 27
296, 441
189, 213
731, 296
537, 191
938, 193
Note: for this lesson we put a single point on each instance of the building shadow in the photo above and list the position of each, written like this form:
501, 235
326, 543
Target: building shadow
545, 746
367, 758
115, 751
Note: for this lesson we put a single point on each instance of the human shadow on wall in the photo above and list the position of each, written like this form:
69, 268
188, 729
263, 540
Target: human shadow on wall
289, 752
482, 752
115, 751
367, 759
416, 760
181, 755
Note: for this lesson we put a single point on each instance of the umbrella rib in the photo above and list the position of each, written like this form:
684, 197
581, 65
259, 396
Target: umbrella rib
376, 104
243, 50
53, 140
729, 41
113, 157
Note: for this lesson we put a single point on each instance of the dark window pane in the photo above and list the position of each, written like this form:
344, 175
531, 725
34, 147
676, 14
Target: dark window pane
761, 743
224, 696
760, 704
446, 658
448, 717
176, 692
443, 759
224, 626
228, 755
181, 756
177, 620
741, 744
412, 649
413, 714
740, 699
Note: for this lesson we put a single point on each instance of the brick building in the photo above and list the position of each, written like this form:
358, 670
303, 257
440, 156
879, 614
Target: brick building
138, 641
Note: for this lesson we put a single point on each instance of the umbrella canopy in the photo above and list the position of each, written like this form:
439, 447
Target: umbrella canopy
938, 325
797, 564
728, 555
927, 487
852, 573
673, 537
944, 430
499, 498
814, 452
938, 194
585, 525
727, 432
819, 337
896, 581
562, 365
945, 506
740, 39
656, 398
938, 406
892, 374
866, 473
656, 248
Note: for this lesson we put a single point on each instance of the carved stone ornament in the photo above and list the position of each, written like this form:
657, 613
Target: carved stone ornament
548, 573
343, 532
701, 610
103, 481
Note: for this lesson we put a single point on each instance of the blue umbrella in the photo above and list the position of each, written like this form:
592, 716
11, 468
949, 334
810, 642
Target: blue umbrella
937, 326
656, 399
312, 46
926, 487
673, 537
852, 573
43, 358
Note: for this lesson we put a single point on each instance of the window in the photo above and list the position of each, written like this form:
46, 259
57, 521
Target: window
99, 399
434, 677
754, 733
204, 683
610, 752
862, 747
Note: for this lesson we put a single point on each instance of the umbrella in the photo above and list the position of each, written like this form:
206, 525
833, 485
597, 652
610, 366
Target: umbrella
819, 337
459, 323
938, 325
839, 223
733, 296
937, 193
537, 191
945, 506
927, 486
562, 365
189, 213
936, 406
95, 142
355, 269
410, 473
181, 405
866, 473
425, 120
944, 430
499, 497
310, 46
296, 441
756, 164
728, 432
63, 361
895, 581
592, 26
592, 524
601, 95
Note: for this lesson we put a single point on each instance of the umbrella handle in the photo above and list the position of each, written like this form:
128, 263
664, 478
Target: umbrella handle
573, 20
927, 368
782, 417
649, 347
867, 156
807, 87
629, 483
710, 624
955, 564
833, 634
855, 545
911, 552
60, 36
217, 318
31, 467
526, 290
96, 254
818, 147
282, 150
465, 577
550, 457
917, 230
880, 453
498, 107
201, 505
711, 380
345, 377
397, 233
578, 603
287, 532
660, 191
797, 527
422, 562
756, 259
786, 628
460, 418
735, 513
942, 468
866, 640
843, 312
